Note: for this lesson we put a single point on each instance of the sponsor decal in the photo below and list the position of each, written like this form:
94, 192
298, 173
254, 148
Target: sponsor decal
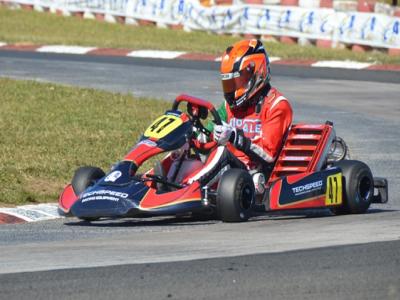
307, 188
250, 127
103, 195
149, 143
112, 177
100, 198
171, 113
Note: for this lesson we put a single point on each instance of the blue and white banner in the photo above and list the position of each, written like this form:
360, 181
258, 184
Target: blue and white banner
375, 30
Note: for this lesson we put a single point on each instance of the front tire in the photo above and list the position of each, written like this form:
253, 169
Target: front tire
358, 187
85, 177
235, 196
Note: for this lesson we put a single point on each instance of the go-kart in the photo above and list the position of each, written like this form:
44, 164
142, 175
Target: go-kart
311, 171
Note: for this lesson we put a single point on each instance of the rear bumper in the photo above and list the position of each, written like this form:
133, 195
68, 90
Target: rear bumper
380, 190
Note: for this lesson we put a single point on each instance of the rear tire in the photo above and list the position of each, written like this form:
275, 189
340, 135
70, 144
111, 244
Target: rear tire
85, 177
358, 187
235, 196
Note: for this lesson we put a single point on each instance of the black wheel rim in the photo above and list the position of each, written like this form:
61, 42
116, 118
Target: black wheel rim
246, 198
364, 188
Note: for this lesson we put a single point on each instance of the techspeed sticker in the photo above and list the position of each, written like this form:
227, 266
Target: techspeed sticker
104, 193
309, 187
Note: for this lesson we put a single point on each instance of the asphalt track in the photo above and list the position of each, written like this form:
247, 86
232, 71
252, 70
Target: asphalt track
308, 256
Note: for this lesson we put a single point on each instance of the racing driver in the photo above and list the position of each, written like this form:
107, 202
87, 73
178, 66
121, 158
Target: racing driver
256, 116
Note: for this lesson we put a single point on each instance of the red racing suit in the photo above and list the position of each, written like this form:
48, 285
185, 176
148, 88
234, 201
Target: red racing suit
264, 126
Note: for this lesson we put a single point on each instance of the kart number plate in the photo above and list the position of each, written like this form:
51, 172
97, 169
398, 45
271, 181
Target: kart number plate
163, 126
334, 189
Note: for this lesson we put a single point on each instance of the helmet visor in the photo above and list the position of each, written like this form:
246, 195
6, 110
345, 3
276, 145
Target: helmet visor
232, 82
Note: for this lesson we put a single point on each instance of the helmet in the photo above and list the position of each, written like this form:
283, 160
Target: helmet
244, 71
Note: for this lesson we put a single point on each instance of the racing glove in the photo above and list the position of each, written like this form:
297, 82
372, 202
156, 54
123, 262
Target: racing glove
222, 133
225, 132
240, 142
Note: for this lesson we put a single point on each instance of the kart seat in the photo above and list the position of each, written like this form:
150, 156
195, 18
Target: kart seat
158, 169
186, 168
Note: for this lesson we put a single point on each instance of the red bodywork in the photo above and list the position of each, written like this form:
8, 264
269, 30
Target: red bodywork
147, 149
303, 153
67, 198
152, 200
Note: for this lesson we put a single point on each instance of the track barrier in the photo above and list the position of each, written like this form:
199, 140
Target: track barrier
360, 25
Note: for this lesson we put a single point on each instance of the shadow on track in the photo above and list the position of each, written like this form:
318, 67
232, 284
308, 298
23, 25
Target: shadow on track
194, 221
151, 221
309, 214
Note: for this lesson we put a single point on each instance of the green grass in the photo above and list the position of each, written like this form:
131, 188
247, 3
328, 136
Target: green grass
18, 26
48, 130
388, 2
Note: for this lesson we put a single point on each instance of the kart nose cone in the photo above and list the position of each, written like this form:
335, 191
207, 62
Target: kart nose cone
118, 207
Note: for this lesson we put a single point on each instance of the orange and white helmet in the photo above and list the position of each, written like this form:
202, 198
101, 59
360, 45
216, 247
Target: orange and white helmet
244, 71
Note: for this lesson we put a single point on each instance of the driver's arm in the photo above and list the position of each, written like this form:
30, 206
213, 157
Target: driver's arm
221, 110
274, 128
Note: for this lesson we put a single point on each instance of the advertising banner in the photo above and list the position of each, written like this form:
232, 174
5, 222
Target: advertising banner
371, 29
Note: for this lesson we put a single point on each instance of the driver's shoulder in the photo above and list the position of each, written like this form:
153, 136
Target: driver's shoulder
275, 100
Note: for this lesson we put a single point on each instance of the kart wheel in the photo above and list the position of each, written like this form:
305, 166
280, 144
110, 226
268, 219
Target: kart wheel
235, 196
85, 177
358, 187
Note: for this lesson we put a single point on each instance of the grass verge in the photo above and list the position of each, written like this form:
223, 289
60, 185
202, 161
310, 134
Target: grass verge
48, 130
19, 26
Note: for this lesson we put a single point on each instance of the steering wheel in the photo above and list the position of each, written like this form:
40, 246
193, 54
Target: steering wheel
197, 109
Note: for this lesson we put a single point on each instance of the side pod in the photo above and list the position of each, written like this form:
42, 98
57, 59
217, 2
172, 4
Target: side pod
307, 190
